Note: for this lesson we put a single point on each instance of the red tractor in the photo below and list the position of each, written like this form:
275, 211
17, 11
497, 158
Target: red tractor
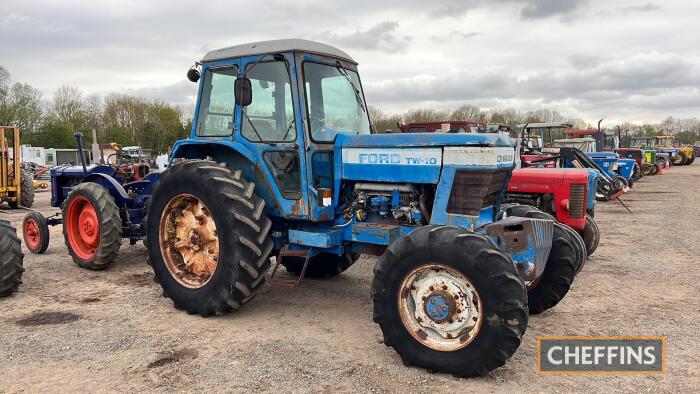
561, 193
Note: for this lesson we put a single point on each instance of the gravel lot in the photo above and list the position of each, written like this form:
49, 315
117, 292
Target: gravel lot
70, 329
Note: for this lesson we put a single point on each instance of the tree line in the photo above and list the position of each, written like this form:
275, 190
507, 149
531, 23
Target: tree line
125, 119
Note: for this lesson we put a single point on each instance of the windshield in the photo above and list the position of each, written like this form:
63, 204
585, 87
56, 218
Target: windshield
334, 101
638, 142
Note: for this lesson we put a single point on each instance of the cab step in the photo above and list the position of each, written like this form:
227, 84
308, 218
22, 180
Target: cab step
288, 283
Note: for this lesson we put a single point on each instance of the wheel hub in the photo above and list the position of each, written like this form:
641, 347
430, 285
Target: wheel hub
440, 307
189, 241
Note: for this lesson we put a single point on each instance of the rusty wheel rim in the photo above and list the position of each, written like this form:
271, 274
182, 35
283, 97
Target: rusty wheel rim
189, 242
440, 307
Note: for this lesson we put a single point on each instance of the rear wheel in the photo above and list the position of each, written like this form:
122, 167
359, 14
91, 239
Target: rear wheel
591, 235
449, 301
11, 259
208, 238
323, 265
36, 232
26, 186
92, 226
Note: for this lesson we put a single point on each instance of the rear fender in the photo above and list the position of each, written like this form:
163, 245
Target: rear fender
237, 157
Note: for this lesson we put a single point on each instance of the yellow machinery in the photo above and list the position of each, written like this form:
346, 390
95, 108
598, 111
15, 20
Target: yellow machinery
15, 186
685, 155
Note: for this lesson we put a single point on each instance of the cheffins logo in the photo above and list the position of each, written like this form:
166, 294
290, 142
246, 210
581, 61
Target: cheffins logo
601, 355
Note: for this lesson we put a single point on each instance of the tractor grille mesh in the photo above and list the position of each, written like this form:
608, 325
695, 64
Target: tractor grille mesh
475, 189
577, 201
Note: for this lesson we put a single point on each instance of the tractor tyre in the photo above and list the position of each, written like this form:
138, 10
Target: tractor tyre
207, 237
656, 169
26, 188
661, 162
551, 287
575, 238
11, 259
648, 170
622, 180
690, 160
591, 235
36, 232
679, 159
92, 226
323, 265
637, 172
566, 258
448, 300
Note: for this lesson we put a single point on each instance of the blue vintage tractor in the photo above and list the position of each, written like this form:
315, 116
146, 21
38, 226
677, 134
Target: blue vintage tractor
100, 205
282, 167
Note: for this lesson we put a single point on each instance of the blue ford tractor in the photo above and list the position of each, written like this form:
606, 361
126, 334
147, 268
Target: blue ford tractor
282, 163
282, 168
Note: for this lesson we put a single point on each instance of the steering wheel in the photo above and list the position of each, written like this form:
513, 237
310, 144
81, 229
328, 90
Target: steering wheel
124, 164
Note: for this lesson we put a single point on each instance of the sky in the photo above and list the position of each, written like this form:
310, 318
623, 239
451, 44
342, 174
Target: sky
626, 60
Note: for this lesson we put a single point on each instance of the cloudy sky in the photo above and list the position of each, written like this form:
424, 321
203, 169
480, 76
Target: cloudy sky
627, 60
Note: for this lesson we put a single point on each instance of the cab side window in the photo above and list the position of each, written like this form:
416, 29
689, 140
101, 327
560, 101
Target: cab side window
270, 116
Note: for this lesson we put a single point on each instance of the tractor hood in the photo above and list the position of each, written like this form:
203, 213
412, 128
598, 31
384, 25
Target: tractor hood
419, 157
422, 139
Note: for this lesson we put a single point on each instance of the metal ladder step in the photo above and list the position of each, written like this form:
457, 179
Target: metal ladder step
288, 283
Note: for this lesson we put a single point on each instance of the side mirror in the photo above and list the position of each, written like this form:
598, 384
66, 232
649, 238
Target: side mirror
193, 74
243, 91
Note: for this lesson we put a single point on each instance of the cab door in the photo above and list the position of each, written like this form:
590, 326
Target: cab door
269, 126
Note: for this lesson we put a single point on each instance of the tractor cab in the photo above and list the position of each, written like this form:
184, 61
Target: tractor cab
536, 136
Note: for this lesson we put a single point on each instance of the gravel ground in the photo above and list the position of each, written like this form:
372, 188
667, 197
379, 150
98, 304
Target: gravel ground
70, 329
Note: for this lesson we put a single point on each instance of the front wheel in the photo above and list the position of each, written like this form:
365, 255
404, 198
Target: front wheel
36, 232
207, 237
679, 159
690, 160
449, 301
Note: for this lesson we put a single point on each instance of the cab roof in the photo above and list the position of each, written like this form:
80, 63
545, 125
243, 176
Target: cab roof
274, 46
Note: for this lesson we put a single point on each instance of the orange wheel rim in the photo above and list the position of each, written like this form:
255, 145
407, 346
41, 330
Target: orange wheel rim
189, 242
31, 233
82, 227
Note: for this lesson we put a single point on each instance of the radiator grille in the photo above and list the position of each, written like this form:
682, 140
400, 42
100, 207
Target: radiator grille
473, 190
577, 201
